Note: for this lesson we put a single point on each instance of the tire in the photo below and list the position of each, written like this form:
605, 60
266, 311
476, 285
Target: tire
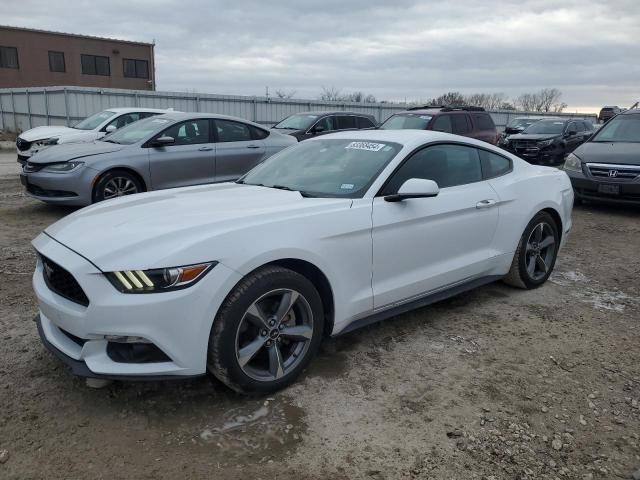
249, 351
521, 274
116, 183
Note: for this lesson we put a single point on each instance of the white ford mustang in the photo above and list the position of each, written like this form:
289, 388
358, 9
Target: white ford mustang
243, 279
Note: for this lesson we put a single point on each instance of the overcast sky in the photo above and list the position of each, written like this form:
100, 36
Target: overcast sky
395, 49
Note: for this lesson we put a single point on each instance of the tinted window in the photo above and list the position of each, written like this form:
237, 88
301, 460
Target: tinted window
328, 123
190, 132
230, 131
494, 165
442, 123
258, 133
364, 122
95, 65
404, 121
483, 121
126, 119
460, 124
588, 126
573, 127
9, 57
56, 62
346, 121
135, 68
447, 165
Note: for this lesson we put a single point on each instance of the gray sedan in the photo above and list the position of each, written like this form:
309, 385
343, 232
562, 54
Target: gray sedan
166, 151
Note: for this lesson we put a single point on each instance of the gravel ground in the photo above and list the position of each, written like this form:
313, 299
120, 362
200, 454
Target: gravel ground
494, 384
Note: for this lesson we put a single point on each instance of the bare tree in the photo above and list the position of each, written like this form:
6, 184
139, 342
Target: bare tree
285, 94
330, 94
546, 100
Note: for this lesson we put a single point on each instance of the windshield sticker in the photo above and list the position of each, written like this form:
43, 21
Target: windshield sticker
558, 123
425, 117
369, 146
347, 186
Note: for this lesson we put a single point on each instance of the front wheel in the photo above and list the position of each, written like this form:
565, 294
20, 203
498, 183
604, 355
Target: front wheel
266, 331
116, 183
536, 254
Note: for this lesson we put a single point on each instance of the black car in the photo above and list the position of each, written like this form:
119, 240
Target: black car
607, 113
310, 124
515, 126
548, 141
607, 167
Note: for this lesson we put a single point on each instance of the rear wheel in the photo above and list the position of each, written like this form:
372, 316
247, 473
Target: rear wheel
116, 183
536, 254
266, 331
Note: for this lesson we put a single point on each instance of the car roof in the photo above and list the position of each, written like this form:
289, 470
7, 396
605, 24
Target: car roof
138, 109
409, 138
177, 116
332, 112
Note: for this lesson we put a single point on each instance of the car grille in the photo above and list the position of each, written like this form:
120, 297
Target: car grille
62, 282
525, 144
22, 144
620, 173
33, 167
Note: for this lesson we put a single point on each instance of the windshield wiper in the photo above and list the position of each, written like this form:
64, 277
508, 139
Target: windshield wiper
111, 141
289, 189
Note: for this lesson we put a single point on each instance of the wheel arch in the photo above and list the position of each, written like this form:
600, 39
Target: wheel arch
556, 218
121, 168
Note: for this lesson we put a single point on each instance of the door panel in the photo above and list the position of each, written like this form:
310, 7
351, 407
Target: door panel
189, 161
236, 151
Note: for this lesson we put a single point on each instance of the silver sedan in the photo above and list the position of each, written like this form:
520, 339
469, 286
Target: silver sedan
166, 151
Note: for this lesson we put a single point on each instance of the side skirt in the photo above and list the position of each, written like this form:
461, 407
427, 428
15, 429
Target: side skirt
419, 303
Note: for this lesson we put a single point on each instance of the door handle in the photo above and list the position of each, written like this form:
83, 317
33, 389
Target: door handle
205, 149
486, 203
253, 146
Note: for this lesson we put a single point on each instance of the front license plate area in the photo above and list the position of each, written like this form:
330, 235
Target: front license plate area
609, 189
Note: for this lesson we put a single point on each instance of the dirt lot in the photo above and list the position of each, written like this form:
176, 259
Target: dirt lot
495, 384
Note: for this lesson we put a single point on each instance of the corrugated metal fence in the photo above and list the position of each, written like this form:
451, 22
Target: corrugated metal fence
25, 108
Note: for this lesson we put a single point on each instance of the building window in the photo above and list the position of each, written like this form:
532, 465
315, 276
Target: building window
9, 57
95, 65
56, 62
135, 68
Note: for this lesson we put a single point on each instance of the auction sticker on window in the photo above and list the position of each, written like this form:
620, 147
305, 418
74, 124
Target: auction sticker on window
369, 146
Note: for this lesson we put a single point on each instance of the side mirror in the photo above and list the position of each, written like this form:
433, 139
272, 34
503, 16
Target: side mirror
415, 188
110, 128
318, 129
163, 141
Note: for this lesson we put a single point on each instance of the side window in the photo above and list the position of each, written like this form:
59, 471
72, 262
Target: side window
230, 131
365, 122
460, 124
258, 133
328, 123
447, 165
190, 132
494, 165
346, 122
588, 126
125, 119
483, 121
442, 123
572, 127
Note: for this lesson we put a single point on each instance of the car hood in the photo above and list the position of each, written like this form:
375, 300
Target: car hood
171, 227
40, 133
533, 136
72, 151
601, 152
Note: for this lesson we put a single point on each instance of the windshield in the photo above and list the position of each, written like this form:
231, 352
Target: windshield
137, 131
339, 168
297, 122
404, 121
623, 128
94, 121
545, 126
521, 122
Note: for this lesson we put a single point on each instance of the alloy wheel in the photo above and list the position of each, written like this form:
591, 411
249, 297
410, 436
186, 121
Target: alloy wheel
118, 187
540, 251
274, 334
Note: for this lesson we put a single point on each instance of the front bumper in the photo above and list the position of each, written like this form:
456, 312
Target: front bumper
545, 155
586, 187
73, 188
177, 323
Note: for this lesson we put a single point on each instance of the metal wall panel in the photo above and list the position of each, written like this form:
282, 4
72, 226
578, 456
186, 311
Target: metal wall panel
67, 105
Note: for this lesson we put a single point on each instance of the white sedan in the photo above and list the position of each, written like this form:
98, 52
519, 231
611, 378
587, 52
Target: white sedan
243, 279
91, 128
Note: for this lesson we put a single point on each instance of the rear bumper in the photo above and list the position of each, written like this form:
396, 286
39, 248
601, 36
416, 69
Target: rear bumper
586, 188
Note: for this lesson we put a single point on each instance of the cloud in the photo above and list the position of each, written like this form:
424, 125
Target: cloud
403, 49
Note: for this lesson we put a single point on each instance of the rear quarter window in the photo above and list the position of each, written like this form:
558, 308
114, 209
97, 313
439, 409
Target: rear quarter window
483, 121
494, 165
364, 122
258, 133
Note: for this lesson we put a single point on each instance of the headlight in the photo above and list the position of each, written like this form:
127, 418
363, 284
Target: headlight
63, 167
545, 143
573, 163
158, 279
47, 141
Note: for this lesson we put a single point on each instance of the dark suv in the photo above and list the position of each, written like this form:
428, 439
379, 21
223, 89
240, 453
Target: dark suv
548, 141
607, 113
471, 122
310, 124
607, 167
